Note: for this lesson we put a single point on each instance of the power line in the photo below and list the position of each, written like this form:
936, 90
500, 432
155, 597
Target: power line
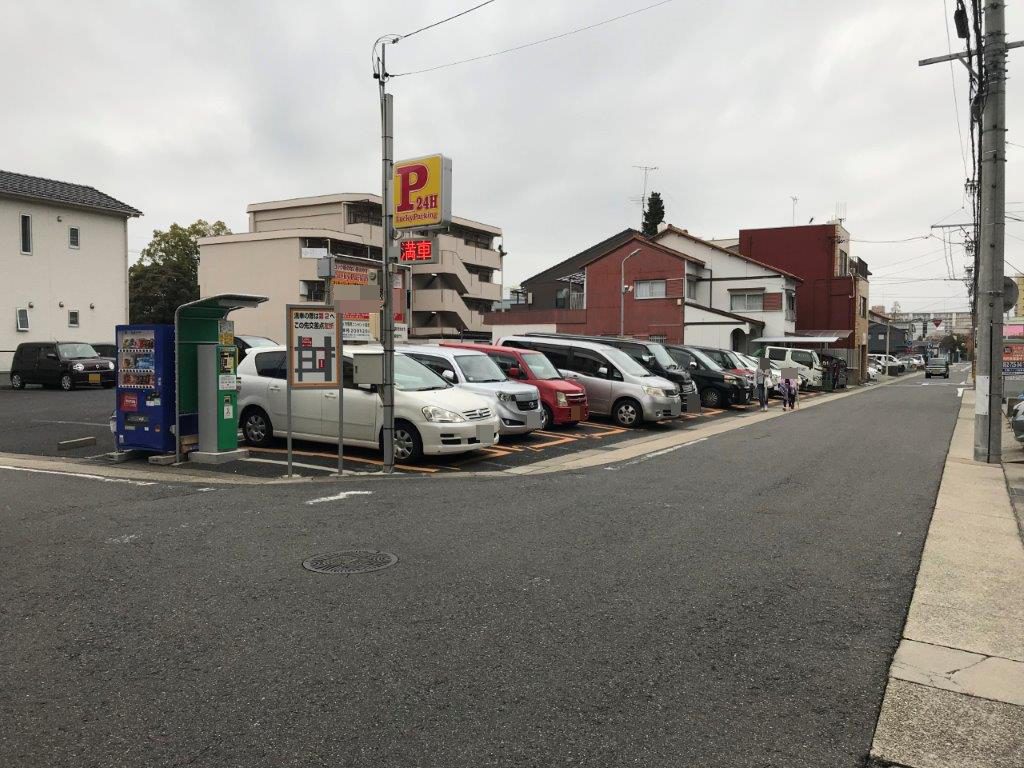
952, 80
904, 240
442, 21
534, 43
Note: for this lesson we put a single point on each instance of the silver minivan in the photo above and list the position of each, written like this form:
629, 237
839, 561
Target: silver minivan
517, 405
616, 384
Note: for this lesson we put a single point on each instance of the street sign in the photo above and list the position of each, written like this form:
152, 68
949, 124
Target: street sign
1013, 361
422, 193
313, 341
1010, 293
418, 251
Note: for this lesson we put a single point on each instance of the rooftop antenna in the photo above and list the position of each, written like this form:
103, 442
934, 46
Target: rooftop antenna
794, 198
643, 200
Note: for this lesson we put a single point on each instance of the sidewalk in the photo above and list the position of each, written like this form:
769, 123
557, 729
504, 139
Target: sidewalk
955, 696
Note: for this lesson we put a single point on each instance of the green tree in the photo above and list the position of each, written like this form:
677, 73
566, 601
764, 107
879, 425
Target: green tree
167, 272
951, 343
654, 214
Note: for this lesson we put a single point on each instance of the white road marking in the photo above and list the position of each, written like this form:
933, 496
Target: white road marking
959, 391
80, 475
299, 464
339, 496
126, 539
79, 423
662, 452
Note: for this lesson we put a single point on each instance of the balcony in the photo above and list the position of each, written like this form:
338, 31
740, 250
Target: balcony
448, 303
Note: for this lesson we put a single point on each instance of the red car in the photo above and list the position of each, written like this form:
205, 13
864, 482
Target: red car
563, 401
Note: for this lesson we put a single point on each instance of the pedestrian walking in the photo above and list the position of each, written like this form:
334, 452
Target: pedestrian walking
762, 378
790, 393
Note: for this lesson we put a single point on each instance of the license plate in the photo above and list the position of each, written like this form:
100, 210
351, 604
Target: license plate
94, 378
485, 433
576, 412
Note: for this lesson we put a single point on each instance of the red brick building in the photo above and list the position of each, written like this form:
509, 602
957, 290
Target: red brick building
834, 294
583, 293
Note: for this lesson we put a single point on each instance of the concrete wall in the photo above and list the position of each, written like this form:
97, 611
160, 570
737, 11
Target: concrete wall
95, 273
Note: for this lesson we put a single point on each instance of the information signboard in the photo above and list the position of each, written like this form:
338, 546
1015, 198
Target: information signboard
418, 251
1013, 360
314, 336
422, 192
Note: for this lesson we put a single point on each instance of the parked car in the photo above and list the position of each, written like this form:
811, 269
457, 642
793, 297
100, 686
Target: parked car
431, 416
616, 384
64, 364
246, 342
717, 387
517, 405
889, 364
653, 356
732, 362
105, 349
938, 365
872, 371
1016, 416
804, 360
562, 401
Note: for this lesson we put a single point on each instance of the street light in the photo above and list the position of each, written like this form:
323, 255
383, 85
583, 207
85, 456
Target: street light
623, 291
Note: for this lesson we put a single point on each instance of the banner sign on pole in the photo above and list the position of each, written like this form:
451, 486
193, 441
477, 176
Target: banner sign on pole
1013, 361
421, 192
314, 337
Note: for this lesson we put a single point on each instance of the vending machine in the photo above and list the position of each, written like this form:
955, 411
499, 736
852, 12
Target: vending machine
145, 388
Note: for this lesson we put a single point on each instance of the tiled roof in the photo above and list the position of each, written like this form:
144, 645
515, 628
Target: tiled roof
76, 195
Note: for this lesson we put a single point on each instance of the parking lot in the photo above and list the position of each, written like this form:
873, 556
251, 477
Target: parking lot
36, 421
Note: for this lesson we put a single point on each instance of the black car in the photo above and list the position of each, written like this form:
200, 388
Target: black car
104, 349
64, 364
653, 356
718, 388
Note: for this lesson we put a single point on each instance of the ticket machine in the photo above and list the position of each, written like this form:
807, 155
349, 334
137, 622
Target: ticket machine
218, 397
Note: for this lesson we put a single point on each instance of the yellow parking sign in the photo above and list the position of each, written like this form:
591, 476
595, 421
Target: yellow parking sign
422, 192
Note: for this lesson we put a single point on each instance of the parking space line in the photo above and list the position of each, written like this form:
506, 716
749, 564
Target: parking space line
605, 430
299, 464
559, 440
375, 462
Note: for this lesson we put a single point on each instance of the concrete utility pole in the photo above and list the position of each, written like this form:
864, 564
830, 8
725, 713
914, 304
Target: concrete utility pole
388, 258
989, 296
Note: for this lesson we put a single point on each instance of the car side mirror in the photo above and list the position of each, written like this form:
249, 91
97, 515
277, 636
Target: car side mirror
646, 358
448, 376
693, 364
567, 374
51, 355
514, 373
602, 371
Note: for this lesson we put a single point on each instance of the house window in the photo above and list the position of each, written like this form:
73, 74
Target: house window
72, 318
562, 298
746, 302
790, 301
26, 233
312, 290
74, 237
649, 289
844, 264
691, 289
22, 319
863, 306
363, 214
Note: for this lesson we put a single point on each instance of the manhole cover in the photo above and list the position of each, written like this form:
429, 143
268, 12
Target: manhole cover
350, 561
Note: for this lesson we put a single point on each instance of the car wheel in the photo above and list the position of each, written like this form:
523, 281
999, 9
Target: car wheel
257, 428
66, 382
946, 376
547, 418
17, 382
627, 413
711, 398
927, 375
408, 445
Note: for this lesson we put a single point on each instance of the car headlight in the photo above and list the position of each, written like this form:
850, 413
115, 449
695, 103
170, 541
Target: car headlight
731, 379
654, 391
110, 366
441, 415
506, 397
561, 399
78, 367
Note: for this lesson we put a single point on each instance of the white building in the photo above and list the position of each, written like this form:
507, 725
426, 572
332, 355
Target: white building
63, 261
733, 298
277, 258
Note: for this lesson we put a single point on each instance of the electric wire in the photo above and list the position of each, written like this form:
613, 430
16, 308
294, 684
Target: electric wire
442, 21
534, 43
952, 80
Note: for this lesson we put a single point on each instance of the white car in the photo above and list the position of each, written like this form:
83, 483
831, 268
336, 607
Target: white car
518, 405
872, 372
431, 416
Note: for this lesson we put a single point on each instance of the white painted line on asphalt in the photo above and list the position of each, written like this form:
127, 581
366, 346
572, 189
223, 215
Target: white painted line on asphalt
79, 423
80, 475
959, 391
294, 464
339, 496
126, 539
662, 452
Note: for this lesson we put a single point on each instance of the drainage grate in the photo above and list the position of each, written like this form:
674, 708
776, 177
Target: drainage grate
350, 561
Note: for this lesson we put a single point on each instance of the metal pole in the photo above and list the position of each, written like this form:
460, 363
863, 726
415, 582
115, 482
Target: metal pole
339, 318
387, 324
288, 418
622, 292
989, 400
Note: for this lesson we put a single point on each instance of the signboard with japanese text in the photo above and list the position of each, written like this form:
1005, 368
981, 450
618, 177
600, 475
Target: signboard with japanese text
417, 251
1013, 360
353, 274
314, 337
422, 192
226, 332
356, 326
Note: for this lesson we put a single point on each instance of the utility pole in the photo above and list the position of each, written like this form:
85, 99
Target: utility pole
989, 295
643, 198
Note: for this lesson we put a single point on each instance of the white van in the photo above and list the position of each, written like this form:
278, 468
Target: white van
805, 360
431, 416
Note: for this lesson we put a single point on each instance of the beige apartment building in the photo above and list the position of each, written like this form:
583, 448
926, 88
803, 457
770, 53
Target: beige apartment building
63, 262
278, 257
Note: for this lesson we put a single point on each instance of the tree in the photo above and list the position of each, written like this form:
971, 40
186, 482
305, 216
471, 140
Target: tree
951, 343
167, 272
654, 214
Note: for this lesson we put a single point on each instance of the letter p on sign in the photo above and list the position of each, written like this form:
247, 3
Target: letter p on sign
422, 192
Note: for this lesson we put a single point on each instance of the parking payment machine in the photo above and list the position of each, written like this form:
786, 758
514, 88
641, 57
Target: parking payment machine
218, 398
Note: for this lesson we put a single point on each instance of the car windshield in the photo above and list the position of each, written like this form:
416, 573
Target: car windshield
479, 369
662, 356
541, 366
737, 360
624, 362
71, 351
412, 376
940, 359
704, 359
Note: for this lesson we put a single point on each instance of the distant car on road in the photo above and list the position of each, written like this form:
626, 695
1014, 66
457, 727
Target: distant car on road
64, 364
937, 366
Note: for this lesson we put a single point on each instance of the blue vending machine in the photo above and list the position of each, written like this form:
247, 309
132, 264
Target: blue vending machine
145, 388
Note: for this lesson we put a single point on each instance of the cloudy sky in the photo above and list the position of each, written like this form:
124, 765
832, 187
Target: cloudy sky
192, 110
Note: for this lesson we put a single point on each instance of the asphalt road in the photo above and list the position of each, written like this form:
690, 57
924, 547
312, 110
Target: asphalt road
735, 602
33, 420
